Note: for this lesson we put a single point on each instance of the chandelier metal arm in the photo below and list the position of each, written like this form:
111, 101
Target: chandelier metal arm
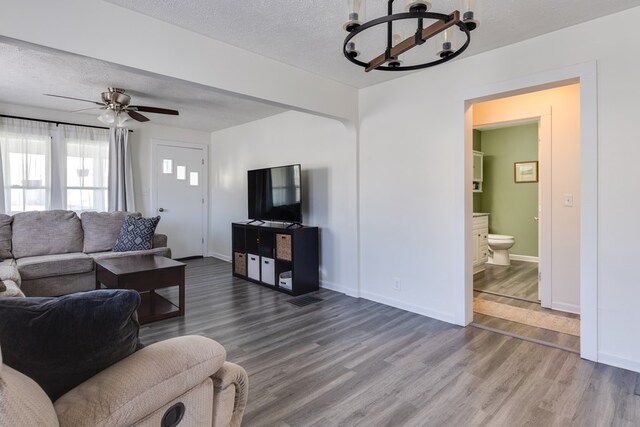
415, 40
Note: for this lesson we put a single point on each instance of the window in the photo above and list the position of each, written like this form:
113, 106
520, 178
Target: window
26, 155
45, 166
87, 167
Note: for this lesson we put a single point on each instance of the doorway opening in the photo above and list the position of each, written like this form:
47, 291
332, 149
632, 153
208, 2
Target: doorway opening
526, 216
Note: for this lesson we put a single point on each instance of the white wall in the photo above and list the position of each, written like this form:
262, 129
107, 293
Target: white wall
327, 152
564, 105
140, 140
412, 175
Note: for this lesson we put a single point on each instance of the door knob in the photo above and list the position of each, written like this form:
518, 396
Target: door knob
161, 210
535, 218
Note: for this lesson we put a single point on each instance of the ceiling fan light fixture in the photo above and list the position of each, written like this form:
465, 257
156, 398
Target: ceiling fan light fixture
122, 119
108, 117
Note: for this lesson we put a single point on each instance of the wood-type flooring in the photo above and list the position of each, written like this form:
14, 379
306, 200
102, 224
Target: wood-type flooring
352, 362
519, 280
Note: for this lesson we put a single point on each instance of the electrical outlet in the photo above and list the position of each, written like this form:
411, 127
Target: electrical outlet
396, 284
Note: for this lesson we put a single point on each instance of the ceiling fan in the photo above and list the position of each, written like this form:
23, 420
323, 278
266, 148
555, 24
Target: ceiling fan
117, 108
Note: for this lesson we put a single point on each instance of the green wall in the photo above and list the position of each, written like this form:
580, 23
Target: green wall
512, 206
477, 146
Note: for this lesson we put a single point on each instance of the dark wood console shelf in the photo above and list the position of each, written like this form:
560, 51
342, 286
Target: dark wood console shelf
276, 256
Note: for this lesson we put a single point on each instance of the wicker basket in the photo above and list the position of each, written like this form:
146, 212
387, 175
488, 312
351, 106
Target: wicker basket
283, 247
240, 263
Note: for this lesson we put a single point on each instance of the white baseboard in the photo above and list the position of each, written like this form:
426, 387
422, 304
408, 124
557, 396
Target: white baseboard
570, 308
619, 362
434, 314
223, 257
526, 258
338, 288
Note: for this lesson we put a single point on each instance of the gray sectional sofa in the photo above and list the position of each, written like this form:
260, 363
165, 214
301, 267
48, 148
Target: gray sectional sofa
52, 253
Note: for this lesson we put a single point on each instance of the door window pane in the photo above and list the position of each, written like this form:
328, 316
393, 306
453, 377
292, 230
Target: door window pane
193, 179
181, 172
167, 166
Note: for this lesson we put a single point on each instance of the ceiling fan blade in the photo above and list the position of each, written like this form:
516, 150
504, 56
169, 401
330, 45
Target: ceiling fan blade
137, 116
154, 110
88, 109
77, 99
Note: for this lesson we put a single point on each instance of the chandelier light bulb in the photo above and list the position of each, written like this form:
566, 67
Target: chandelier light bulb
469, 14
351, 48
418, 6
396, 39
446, 42
356, 12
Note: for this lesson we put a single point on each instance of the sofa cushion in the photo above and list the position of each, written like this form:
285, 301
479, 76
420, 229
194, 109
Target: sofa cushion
34, 267
46, 233
101, 229
5, 236
136, 234
61, 342
165, 252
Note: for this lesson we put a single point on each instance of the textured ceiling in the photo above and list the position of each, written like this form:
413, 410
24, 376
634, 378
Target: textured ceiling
29, 71
308, 34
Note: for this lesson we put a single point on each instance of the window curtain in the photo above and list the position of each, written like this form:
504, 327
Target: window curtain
25, 150
120, 172
83, 154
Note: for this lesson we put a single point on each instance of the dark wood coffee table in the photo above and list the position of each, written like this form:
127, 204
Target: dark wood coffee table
145, 274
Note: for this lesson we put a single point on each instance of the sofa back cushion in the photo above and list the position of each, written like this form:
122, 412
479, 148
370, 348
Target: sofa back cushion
46, 233
5, 236
101, 229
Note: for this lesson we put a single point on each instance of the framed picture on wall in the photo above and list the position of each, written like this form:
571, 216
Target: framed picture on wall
525, 172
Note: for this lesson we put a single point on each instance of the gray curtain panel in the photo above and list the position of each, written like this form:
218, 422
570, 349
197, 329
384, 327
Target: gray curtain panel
120, 172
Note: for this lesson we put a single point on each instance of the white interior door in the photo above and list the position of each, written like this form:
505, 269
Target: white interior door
179, 178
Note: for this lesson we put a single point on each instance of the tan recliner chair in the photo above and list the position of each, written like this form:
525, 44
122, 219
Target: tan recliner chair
183, 378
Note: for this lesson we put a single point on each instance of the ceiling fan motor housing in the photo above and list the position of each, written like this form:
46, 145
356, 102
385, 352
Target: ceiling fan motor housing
116, 97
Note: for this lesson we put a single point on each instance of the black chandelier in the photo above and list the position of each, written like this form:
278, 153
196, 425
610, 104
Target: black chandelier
443, 27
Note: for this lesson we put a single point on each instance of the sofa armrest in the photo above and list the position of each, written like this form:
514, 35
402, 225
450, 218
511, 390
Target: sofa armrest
231, 389
141, 383
159, 241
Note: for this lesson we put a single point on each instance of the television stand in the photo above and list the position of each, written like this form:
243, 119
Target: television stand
278, 256
296, 224
256, 220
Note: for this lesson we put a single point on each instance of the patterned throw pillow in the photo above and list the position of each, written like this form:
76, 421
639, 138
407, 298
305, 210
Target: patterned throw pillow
136, 234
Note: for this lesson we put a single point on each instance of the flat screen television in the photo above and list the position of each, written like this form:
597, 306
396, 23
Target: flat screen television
275, 194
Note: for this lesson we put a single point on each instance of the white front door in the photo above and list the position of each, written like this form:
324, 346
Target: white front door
179, 187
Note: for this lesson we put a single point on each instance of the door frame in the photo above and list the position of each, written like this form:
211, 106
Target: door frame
586, 75
155, 142
543, 117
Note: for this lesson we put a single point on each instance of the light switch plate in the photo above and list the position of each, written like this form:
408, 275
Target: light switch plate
568, 200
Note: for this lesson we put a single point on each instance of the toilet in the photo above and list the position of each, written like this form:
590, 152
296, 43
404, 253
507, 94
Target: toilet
499, 246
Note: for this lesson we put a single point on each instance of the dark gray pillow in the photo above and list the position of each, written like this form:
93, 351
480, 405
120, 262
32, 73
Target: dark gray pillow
62, 342
136, 234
